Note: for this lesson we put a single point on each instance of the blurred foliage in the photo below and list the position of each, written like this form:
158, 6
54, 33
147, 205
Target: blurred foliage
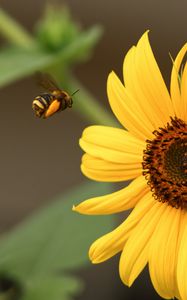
18, 62
55, 30
58, 41
39, 257
41, 254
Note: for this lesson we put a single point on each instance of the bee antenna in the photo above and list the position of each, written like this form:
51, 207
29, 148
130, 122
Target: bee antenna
75, 92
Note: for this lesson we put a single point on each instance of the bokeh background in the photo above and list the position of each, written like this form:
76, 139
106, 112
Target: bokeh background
40, 158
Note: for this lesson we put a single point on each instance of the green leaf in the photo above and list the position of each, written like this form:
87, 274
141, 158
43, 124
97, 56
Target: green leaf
17, 63
61, 288
54, 240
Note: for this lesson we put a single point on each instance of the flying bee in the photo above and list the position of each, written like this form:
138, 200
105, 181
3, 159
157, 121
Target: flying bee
54, 100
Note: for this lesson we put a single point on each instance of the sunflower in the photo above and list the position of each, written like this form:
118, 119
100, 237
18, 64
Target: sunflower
152, 152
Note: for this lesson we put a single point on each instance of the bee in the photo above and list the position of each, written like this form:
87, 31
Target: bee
54, 100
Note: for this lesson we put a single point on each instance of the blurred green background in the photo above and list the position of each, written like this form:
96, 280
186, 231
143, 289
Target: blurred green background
40, 159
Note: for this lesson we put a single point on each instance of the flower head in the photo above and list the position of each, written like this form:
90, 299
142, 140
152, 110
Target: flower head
152, 152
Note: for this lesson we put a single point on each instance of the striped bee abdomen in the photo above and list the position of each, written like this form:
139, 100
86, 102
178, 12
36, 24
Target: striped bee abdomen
41, 103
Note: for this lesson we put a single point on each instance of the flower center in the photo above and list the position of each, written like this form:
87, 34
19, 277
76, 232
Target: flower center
165, 161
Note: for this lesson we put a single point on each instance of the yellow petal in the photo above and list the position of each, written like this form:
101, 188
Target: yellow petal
164, 241
110, 151
126, 109
143, 80
182, 259
184, 94
152, 83
113, 242
113, 138
109, 172
109, 154
115, 202
94, 163
175, 86
135, 253
171, 254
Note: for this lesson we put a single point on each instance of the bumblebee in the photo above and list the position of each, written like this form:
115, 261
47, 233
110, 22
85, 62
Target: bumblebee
54, 100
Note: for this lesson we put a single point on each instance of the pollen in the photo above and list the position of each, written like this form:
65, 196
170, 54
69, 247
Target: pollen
165, 163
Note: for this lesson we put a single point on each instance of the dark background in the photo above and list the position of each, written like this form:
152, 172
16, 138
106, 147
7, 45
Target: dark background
29, 177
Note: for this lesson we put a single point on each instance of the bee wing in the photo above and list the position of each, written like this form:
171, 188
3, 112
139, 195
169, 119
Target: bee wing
46, 81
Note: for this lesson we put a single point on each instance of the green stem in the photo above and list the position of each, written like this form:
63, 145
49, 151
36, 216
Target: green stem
88, 107
14, 32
